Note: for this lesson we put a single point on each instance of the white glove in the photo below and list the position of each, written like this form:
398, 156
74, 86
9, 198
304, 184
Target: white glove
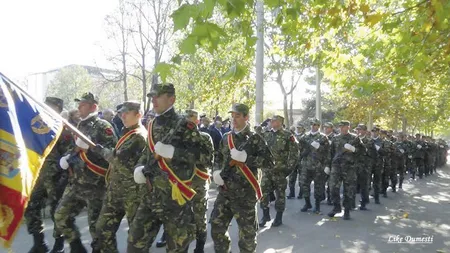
240, 156
164, 150
139, 175
315, 144
81, 144
377, 147
419, 146
63, 162
410, 156
349, 147
402, 151
442, 146
217, 178
327, 170
329, 142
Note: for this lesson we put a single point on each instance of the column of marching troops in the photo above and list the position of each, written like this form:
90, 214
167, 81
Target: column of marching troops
159, 175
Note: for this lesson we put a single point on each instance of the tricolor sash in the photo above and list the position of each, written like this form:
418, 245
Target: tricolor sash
246, 171
180, 189
91, 166
201, 174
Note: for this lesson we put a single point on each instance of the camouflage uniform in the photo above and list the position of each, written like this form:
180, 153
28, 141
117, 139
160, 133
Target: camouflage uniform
236, 199
409, 162
122, 193
87, 187
376, 171
398, 163
49, 185
418, 156
283, 146
327, 179
363, 164
159, 207
432, 150
297, 170
313, 163
387, 153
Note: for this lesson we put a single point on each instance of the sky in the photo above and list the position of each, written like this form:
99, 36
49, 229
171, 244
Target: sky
37, 36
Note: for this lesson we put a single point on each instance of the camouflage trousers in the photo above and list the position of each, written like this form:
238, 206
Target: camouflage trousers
200, 206
293, 177
388, 174
318, 176
157, 208
44, 192
343, 174
240, 205
270, 182
375, 176
398, 166
362, 181
430, 166
75, 198
120, 200
419, 166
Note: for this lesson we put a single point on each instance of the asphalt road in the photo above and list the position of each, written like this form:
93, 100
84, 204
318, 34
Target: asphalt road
421, 209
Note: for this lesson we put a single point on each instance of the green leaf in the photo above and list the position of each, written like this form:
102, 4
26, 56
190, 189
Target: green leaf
164, 70
176, 59
188, 45
182, 16
208, 8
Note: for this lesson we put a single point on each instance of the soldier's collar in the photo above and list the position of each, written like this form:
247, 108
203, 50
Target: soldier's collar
91, 115
165, 112
243, 130
313, 133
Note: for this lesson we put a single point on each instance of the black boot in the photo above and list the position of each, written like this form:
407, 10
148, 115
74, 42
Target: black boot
393, 189
162, 241
77, 247
317, 207
199, 246
40, 245
278, 220
307, 205
265, 218
363, 205
346, 214
377, 199
337, 209
58, 247
353, 203
384, 194
291, 193
400, 184
300, 194
329, 202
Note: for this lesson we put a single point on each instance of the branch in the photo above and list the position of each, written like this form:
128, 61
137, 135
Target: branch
410, 8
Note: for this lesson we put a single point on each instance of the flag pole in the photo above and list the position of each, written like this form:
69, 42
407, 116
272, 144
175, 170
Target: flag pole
52, 112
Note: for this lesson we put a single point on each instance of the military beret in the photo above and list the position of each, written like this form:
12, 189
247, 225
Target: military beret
361, 127
87, 97
300, 124
191, 113
344, 123
240, 108
55, 101
118, 107
278, 117
383, 131
315, 122
161, 88
130, 106
328, 124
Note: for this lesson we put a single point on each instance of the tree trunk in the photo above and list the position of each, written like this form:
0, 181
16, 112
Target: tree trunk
285, 110
192, 102
125, 75
291, 107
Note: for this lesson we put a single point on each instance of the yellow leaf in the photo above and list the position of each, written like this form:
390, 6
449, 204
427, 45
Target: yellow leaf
337, 236
405, 215
372, 20
364, 8
427, 26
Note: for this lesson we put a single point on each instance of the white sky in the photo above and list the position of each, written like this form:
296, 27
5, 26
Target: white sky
40, 35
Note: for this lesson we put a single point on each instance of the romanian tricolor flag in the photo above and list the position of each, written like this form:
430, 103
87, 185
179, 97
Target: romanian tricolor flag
28, 133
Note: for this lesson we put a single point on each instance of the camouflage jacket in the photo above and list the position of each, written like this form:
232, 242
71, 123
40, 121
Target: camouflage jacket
400, 146
284, 148
205, 162
173, 129
387, 149
368, 155
312, 156
339, 155
258, 156
418, 153
51, 172
100, 132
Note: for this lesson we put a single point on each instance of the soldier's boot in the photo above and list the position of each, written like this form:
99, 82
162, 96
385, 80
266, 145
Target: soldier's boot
162, 241
377, 199
300, 194
199, 246
40, 245
384, 194
317, 207
278, 220
323, 196
77, 247
307, 205
353, 203
272, 197
329, 202
394, 189
265, 218
363, 205
291, 193
346, 214
58, 247
337, 209
400, 184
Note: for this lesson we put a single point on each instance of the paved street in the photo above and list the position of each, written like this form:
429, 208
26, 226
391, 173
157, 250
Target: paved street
421, 209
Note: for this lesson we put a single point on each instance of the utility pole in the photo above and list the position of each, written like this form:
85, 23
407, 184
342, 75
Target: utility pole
259, 111
318, 95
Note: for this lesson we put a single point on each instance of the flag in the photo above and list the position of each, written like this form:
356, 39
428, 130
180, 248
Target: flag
28, 133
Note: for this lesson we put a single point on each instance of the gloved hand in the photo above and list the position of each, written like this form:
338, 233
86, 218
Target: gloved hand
402, 151
81, 144
315, 144
419, 146
139, 177
240, 156
441, 146
349, 147
327, 170
377, 147
63, 162
410, 156
217, 178
164, 150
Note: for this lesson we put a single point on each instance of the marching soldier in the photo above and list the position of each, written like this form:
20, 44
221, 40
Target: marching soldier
299, 132
89, 169
283, 146
314, 155
400, 163
363, 165
387, 151
49, 187
122, 194
377, 164
329, 133
243, 151
419, 156
167, 167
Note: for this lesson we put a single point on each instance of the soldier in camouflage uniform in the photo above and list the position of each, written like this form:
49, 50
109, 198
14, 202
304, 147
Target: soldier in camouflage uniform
418, 156
299, 132
87, 186
363, 163
200, 183
345, 147
314, 148
376, 170
284, 148
396, 161
387, 151
122, 193
242, 152
48, 188
401, 146
432, 151
167, 166
328, 128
